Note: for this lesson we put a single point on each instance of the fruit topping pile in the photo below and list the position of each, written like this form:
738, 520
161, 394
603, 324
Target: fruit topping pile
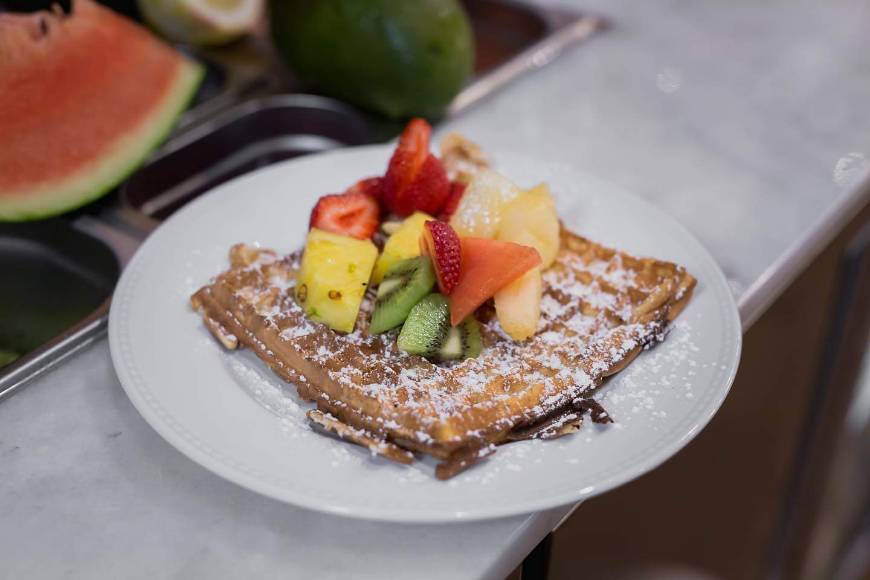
491, 240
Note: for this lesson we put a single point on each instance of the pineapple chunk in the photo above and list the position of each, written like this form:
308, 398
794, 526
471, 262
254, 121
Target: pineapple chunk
480, 210
518, 305
531, 220
403, 244
333, 278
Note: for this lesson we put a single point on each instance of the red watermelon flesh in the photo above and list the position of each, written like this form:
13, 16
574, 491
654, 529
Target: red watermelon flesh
83, 99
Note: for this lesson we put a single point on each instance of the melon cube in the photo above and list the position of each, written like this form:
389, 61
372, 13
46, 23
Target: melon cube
518, 305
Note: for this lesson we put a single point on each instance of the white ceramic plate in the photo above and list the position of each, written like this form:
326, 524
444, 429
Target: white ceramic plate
226, 411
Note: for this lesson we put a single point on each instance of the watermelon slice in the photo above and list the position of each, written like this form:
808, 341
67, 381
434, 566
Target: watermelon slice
487, 267
83, 99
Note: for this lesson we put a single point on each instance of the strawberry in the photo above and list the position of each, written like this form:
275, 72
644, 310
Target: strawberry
440, 242
415, 179
408, 158
353, 213
427, 192
373, 186
457, 189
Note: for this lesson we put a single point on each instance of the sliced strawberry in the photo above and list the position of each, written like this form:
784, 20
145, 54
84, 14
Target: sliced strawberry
411, 152
353, 213
457, 189
409, 156
373, 186
441, 243
427, 192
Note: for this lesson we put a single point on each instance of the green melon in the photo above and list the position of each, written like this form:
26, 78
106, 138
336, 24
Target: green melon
84, 99
400, 58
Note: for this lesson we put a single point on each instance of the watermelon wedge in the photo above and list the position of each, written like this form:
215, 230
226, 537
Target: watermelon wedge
84, 98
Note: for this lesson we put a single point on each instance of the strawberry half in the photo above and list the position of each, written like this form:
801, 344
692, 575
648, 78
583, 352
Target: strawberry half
457, 190
441, 243
415, 179
408, 158
373, 186
352, 213
427, 192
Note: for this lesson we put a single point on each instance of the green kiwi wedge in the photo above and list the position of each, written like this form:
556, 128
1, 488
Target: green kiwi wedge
427, 332
403, 286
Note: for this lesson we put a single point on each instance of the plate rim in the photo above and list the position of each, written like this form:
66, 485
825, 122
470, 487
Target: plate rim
162, 423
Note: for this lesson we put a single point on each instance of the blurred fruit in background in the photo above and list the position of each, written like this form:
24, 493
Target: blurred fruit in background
202, 22
396, 57
84, 98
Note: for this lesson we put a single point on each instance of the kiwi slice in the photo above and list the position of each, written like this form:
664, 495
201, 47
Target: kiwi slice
427, 332
469, 332
461, 341
402, 287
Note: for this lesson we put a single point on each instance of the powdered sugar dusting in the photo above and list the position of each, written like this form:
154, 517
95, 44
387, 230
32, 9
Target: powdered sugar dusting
269, 392
587, 326
669, 371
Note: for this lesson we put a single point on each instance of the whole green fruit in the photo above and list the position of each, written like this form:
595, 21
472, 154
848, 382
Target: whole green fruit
401, 58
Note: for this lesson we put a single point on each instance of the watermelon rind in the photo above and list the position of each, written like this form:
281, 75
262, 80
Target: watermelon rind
107, 172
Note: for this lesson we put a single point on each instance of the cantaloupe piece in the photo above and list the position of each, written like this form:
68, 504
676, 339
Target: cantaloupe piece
518, 305
487, 266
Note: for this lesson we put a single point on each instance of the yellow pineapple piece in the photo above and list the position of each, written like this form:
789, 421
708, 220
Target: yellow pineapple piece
333, 278
531, 220
404, 243
518, 305
480, 210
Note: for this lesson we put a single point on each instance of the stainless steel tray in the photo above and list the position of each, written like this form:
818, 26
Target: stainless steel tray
257, 133
248, 113
57, 298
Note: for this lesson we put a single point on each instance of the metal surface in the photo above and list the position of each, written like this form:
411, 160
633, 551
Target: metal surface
255, 134
55, 298
513, 39
16, 375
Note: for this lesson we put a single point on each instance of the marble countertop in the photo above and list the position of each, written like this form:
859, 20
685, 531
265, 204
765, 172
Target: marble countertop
746, 121
89, 490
